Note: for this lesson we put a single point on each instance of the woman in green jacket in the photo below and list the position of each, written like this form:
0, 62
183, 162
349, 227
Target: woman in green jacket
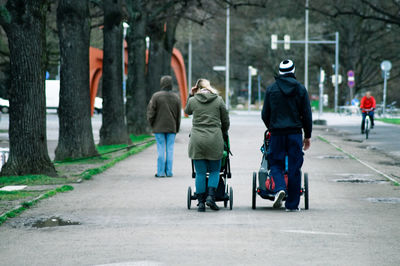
206, 145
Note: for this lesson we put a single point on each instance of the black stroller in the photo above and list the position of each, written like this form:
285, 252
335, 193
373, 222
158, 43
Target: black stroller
224, 192
265, 183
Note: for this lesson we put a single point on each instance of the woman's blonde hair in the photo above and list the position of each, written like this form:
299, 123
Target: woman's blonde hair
205, 84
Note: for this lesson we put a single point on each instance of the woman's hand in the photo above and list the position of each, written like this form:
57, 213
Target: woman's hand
193, 90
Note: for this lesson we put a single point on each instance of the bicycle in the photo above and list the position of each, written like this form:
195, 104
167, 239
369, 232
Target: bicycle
367, 122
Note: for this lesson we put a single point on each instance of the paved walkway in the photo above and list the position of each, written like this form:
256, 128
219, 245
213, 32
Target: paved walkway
128, 217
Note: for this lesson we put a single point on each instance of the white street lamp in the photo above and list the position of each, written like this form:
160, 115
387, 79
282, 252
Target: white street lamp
386, 66
227, 58
252, 72
125, 27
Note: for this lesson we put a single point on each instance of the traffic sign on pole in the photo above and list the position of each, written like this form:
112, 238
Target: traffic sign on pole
350, 78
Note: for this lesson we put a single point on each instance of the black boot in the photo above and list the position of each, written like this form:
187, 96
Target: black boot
211, 199
201, 207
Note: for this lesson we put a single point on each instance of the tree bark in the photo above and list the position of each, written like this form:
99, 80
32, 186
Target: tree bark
75, 130
169, 43
113, 129
25, 28
136, 94
157, 56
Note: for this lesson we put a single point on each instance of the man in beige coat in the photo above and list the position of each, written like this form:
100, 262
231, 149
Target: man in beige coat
164, 116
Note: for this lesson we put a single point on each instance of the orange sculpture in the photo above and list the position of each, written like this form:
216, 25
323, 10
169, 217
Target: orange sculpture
96, 71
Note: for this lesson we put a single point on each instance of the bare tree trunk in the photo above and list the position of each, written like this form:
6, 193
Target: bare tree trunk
113, 129
25, 28
157, 56
161, 45
136, 95
75, 131
169, 43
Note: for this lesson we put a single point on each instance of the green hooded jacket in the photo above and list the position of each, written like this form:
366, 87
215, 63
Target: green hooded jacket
210, 119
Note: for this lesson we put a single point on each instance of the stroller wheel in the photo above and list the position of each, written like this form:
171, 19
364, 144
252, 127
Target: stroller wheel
226, 197
306, 201
189, 197
230, 198
306, 191
253, 192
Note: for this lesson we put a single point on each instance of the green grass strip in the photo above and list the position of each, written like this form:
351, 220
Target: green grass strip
107, 149
15, 195
31, 180
336, 147
395, 121
324, 139
26, 205
392, 180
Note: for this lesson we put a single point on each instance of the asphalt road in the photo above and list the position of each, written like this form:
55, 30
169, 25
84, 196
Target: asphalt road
128, 217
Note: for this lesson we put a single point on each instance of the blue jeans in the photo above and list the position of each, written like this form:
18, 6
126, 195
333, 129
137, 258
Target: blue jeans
165, 150
202, 167
292, 147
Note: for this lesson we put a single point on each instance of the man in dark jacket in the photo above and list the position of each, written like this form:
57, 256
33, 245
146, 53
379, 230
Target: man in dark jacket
164, 116
285, 113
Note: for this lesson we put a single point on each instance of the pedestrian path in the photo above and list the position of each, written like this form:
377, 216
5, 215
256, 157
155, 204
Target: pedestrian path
128, 217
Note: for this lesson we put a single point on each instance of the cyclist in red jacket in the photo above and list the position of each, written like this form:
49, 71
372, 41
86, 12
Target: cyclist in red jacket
367, 106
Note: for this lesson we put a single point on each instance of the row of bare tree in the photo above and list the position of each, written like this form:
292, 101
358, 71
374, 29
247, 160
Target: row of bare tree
24, 22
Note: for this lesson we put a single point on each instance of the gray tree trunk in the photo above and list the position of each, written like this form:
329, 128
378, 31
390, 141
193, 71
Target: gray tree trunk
157, 57
25, 27
169, 43
136, 95
75, 130
113, 129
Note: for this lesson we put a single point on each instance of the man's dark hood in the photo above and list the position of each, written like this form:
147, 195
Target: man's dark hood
166, 83
287, 84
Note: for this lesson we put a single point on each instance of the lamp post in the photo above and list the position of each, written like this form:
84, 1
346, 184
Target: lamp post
252, 72
227, 58
321, 91
386, 66
259, 90
125, 27
226, 67
190, 58
306, 49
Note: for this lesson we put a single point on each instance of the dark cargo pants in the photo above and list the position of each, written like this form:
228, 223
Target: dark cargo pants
279, 148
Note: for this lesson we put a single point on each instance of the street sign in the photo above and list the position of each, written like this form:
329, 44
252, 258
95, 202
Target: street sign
386, 65
333, 78
252, 71
350, 78
219, 68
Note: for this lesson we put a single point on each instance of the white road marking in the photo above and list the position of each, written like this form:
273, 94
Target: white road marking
135, 263
313, 232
